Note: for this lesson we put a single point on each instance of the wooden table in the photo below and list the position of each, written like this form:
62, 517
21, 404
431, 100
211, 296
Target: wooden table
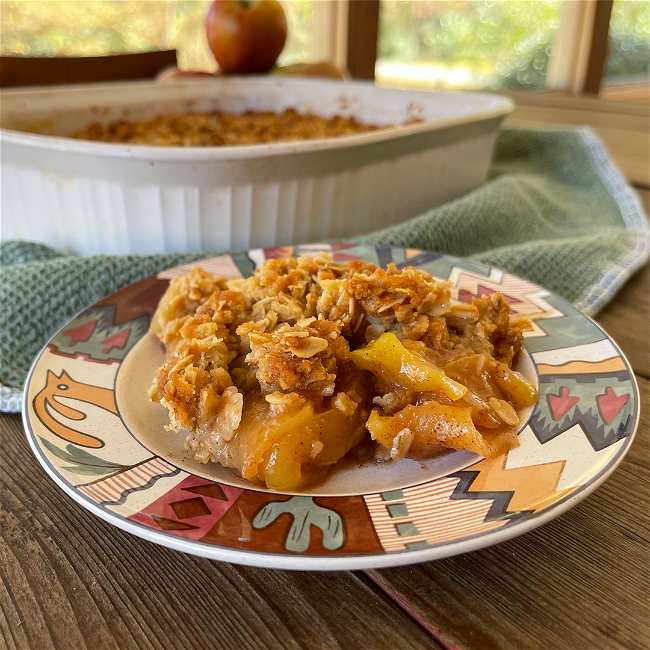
68, 580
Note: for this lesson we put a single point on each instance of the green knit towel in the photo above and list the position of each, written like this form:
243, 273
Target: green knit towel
555, 211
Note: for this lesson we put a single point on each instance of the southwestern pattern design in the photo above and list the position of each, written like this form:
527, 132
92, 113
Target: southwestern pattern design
115, 488
48, 401
586, 413
96, 336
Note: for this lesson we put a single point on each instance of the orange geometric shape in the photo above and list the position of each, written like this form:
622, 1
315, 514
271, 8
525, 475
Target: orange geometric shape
534, 487
615, 364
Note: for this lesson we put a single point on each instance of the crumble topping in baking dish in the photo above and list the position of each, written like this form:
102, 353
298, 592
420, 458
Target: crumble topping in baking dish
219, 129
279, 375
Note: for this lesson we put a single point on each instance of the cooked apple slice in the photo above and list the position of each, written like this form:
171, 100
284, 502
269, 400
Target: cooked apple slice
424, 429
286, 442
388, 358
514, 386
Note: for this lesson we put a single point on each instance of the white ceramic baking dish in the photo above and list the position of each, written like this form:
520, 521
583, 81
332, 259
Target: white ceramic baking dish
91, 197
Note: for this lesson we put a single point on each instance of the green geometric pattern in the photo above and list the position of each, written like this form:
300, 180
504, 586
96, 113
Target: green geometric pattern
93, 335
590, 392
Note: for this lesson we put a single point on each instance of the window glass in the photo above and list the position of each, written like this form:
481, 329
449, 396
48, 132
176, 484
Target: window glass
628, 58
466, 43
96, 28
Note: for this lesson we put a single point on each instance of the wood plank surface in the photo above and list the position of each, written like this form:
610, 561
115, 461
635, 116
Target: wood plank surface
560, 99
45, 71
363, 31
629, 93
69, 580
596, 119
580, 581
644, 197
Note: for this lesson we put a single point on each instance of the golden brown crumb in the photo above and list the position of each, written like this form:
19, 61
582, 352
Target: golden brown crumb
304, 357
486, 326
271, 353
184, 295
221, 129
407, 301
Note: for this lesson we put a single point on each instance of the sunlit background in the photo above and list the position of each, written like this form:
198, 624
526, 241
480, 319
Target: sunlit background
475, 44
96, 28
437, 43
495, 44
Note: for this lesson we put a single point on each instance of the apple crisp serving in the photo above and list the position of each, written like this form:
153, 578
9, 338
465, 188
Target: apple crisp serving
221, 129
279, 375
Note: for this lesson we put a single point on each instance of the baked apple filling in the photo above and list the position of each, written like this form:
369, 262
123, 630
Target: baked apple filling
278, 376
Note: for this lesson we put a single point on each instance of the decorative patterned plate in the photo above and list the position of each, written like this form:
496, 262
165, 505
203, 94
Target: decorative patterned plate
92, 427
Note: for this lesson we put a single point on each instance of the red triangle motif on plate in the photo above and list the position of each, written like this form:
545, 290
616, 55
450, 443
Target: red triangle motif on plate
561, 404
466, 296
116, 341
610, 404
81, 333
277, 252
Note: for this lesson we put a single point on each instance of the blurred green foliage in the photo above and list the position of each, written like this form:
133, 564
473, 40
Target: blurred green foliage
96, 28
629, 40
506, 44
501, 43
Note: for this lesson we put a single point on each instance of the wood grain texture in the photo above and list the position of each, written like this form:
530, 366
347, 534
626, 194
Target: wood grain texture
632, 93
45, 71
69, 580
598, 47
570, 116
563, 99
580, 581
363, 30
644, 197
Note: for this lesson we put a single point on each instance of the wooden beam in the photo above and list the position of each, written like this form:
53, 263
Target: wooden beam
363, 29
628, 93
598, 49
46, 71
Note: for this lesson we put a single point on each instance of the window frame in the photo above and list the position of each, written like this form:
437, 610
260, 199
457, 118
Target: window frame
576, 65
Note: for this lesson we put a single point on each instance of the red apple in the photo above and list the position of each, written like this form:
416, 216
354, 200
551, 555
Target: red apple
246, 36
